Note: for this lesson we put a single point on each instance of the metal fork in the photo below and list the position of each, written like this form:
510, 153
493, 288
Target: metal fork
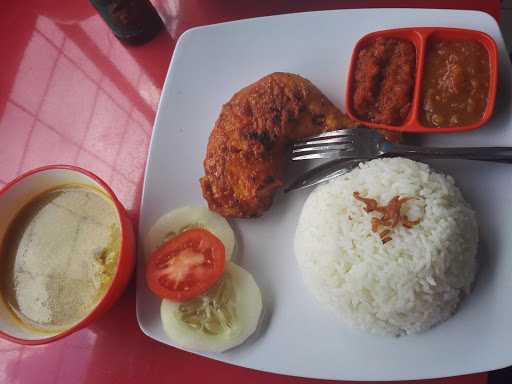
348, 147
368, 143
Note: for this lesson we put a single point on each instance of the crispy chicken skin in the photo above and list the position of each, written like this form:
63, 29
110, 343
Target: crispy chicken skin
248, 146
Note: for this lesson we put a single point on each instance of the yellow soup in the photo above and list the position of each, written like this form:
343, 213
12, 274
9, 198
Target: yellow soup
59, 255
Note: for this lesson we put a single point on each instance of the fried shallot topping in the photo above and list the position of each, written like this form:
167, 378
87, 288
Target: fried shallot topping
390, 215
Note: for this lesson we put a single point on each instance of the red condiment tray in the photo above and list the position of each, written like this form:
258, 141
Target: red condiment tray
419, 37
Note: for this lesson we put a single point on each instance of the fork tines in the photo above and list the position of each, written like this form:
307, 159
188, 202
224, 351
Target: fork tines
325, 145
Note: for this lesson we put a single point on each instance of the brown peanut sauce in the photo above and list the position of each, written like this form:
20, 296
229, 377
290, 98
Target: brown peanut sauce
455, 83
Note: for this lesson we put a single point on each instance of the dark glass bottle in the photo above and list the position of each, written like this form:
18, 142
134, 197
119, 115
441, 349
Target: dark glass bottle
132, 21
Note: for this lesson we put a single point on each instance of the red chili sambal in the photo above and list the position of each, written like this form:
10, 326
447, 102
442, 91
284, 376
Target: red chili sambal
383, 81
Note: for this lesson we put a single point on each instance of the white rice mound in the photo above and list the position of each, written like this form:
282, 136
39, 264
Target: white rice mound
412, 282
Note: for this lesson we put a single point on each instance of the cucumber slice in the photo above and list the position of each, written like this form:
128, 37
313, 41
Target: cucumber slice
178, 220
219, 319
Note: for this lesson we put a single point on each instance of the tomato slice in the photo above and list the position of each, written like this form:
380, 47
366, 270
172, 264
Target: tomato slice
186, 265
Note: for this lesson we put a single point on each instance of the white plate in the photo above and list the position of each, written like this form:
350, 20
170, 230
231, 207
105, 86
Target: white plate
297, 337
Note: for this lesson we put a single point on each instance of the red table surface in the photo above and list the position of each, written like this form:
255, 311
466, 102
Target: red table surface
71, 93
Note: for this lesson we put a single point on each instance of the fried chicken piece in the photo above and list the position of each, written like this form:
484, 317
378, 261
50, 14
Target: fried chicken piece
247, 148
